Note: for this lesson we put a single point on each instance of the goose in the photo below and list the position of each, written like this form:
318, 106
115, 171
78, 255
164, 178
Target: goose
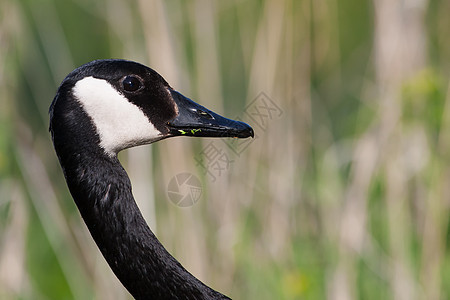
99, 109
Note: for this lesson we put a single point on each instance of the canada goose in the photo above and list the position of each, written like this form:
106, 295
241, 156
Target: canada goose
101, 108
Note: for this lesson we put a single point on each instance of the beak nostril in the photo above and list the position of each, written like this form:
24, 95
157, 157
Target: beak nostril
204, 114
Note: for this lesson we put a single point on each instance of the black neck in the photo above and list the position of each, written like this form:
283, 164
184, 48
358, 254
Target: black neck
102, 192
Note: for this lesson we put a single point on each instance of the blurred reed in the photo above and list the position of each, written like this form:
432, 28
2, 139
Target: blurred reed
342, 194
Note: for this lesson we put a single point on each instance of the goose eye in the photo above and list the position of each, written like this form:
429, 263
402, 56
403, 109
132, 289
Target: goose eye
131, 83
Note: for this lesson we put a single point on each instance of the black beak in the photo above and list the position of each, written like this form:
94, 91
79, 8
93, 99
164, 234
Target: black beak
196, 120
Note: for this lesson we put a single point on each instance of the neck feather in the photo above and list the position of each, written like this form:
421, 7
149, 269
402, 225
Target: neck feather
102, 192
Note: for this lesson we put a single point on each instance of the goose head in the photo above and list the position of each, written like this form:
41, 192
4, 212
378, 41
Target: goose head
127, 104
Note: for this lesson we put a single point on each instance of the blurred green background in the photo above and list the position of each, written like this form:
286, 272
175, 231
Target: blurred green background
343, 194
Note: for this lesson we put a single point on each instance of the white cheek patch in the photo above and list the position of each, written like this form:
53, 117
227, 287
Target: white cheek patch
120, 124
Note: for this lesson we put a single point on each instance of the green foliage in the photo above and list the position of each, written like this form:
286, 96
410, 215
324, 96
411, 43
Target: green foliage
342, 195
43, 268
424, 101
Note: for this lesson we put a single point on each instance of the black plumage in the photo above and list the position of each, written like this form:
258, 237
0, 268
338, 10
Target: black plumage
102, 190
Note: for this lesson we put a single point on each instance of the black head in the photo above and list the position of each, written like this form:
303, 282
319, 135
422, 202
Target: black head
129, 104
